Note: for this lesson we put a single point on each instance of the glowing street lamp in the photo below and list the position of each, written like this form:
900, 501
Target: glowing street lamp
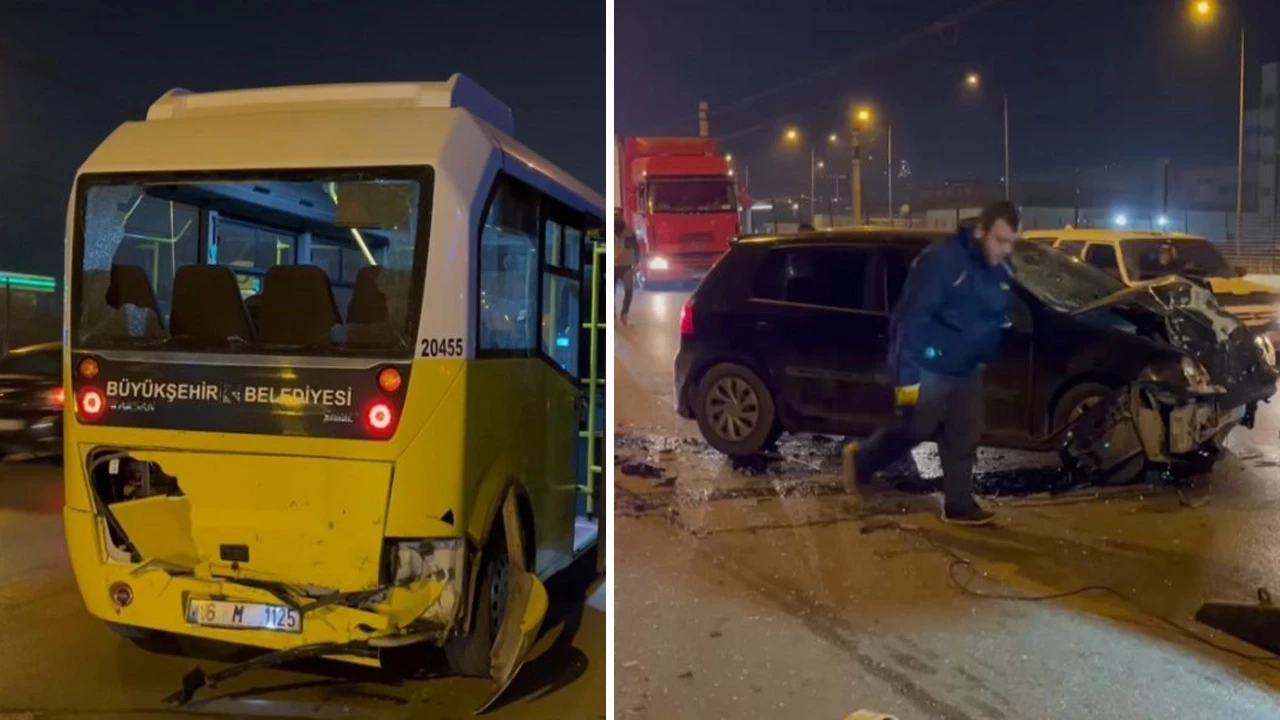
973, 81
833, 138
793, 135
1203, 12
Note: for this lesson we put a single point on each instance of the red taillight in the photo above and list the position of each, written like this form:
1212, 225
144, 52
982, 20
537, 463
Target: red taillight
92, 404
686, 318
57, 397
379, 418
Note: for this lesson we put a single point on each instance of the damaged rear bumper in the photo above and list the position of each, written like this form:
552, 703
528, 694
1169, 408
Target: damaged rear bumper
420, 611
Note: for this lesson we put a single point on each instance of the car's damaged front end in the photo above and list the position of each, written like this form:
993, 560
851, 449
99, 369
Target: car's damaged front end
1176, 411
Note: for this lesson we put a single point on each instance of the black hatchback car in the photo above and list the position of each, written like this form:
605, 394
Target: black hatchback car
31, 400
791, 333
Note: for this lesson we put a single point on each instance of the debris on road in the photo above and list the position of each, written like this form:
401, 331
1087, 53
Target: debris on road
686, 675
642, 469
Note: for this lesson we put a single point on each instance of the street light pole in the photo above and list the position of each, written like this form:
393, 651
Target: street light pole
890, 173
1240, 151
813, 173
1006, 146
855, 182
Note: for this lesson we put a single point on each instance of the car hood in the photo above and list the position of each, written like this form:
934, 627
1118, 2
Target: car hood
1187, 316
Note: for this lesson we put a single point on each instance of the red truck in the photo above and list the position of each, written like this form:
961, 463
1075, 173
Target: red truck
678, 195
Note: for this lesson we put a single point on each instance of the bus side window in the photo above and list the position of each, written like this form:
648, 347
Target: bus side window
508, 270
561, 288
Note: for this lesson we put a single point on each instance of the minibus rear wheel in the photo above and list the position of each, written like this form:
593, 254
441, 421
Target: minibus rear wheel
468, 654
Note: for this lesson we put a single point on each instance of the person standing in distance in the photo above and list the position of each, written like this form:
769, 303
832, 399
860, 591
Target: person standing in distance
626, 252
950, 320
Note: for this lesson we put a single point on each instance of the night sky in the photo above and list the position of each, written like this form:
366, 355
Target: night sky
1089, 82
72, 70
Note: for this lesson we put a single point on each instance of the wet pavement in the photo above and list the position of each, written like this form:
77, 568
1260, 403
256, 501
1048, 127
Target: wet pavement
58, 662
763, 591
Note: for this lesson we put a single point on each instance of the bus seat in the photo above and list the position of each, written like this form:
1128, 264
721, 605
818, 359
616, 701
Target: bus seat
297, 306
253, 306
131, 286
207, 306
368, 304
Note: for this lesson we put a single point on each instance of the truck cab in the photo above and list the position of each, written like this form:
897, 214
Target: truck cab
678, 196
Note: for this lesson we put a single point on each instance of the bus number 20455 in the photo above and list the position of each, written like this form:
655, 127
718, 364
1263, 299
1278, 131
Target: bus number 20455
442, 347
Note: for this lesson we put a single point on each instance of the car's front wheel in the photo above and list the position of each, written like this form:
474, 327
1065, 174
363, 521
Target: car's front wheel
1077, 401
735, 410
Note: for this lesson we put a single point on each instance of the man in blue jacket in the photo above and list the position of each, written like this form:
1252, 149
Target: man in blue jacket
950, 319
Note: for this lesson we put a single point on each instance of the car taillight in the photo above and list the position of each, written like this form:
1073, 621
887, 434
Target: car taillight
92, 404
379, 418
686, 318
57, 397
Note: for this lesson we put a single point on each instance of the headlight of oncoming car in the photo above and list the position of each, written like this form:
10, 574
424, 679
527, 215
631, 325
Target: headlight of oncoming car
1197, 377
409, 561
1267, 347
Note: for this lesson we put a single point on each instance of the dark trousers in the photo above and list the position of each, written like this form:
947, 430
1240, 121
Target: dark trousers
626, 275
950, 412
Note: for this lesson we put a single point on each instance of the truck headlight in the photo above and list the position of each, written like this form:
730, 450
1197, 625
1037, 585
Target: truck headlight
1267, 348
409, 561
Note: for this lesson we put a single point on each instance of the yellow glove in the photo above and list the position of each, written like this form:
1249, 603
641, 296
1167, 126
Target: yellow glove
906, 395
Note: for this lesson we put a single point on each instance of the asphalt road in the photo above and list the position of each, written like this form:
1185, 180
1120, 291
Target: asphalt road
769, 594
58, 662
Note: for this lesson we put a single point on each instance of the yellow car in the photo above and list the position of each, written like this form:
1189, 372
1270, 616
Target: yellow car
1136, 256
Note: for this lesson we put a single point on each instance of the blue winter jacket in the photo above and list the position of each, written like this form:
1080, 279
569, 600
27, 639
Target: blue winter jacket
952, 313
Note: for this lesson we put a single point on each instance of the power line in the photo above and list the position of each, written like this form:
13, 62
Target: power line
937, 26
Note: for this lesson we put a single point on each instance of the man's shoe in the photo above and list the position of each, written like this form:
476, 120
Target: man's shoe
976, 516
849, 469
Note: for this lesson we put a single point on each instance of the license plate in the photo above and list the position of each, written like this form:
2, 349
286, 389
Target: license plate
11, 425
255, 616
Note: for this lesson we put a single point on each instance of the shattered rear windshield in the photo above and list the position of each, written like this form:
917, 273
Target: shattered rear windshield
1059, 280
312, 263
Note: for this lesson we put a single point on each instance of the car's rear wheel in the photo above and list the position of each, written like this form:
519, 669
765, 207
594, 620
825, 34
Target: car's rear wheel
1077, 401
735, 410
